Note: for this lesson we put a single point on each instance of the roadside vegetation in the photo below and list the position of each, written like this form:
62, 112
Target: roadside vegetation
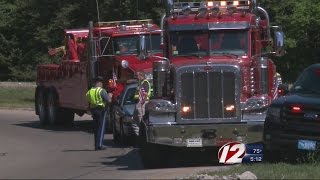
17, 97
28, 28
275, 171
303, 166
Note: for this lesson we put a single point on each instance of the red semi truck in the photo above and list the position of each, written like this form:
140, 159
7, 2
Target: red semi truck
216, 80
61, 88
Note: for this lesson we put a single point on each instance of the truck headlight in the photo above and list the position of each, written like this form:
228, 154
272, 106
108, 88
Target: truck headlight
256, 103
161, 106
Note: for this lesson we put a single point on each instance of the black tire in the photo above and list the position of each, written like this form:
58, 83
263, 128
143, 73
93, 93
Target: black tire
151, 154
272, 156
41, 106
109, 120
52, 108
123, 137
116, 138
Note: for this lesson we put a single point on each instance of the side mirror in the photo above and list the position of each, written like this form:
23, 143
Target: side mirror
282, 89
278, 41
142, 47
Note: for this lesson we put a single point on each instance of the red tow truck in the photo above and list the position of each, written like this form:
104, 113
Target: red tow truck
61, 88
216, 80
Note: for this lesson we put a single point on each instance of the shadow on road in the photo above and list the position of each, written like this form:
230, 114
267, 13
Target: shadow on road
174, 159
128, 161
82, 125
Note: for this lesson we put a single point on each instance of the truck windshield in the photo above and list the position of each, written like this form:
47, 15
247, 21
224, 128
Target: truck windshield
189, 43
228, 42
128, 45
204, 43
153, 43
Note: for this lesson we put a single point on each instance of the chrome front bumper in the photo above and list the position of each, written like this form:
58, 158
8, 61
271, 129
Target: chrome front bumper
206, 135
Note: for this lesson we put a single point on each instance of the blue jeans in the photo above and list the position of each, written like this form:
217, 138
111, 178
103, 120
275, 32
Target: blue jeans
99, 116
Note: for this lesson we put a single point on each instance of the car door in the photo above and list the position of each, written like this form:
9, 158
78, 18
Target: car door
124, 99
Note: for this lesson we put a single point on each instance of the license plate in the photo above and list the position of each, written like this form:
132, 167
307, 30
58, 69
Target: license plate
194, 142
307, 145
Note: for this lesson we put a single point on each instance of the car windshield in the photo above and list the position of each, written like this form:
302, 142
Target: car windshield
213, 43
129, 45
308, 82
129, 97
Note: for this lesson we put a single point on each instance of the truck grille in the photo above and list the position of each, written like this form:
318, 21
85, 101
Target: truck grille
208, 94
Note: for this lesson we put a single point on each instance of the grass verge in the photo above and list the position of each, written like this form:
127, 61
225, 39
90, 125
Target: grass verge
17, 97
276, 171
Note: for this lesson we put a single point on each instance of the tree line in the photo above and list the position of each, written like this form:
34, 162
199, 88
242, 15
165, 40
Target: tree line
29, 27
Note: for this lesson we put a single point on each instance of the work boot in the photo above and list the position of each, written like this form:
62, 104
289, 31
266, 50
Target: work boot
100, 148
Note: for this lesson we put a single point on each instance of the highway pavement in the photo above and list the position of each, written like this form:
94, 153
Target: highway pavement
31, 151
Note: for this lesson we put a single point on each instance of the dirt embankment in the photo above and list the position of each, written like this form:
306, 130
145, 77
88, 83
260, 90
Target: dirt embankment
17, 84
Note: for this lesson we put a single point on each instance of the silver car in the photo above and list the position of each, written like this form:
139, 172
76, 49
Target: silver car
122, 115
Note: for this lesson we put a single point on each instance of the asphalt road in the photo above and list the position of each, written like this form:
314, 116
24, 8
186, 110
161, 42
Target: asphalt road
30, 151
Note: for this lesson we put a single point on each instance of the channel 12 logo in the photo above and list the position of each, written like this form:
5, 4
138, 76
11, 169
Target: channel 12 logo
236, 152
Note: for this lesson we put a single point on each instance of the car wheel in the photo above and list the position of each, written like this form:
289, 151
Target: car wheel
271, 155
123, 137
52, 109
41, 107
115, 133
109, 120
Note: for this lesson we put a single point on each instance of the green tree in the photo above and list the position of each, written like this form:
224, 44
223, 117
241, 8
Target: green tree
300, 21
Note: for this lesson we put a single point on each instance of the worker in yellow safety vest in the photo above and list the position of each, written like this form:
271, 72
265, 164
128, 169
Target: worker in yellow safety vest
143, 94
98, 99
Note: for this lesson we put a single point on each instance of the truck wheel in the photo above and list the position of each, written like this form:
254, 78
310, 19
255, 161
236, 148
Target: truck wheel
41, 107
151, 156
150, 153
52, 109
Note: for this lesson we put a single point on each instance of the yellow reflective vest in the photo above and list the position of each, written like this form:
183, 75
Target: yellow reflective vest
94, 97
136, 96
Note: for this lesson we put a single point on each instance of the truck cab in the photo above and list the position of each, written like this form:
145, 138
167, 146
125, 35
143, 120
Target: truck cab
217, 78
228, 33
119, 47
88, 53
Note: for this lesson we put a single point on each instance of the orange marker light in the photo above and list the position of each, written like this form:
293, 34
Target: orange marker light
223, 3
186, 109
230, 108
